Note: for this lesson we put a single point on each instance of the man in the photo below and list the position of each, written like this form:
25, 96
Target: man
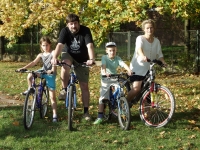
76, 43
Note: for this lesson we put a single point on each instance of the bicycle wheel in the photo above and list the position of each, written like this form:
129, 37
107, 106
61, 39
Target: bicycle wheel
161, 112
70, 107
29, 109
44, 102
124, 115
107, 109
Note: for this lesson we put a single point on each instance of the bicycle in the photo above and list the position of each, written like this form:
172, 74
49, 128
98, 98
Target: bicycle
37, 97
157, 103
117, 101
71, 100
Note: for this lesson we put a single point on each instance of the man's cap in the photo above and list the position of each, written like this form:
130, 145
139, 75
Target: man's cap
109, 44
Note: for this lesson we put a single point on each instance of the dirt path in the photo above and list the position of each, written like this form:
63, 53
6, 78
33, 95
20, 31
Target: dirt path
9, 101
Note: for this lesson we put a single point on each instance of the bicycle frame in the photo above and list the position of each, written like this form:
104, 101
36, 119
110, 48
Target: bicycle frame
72, 81
148, 83
40, 89
115, 96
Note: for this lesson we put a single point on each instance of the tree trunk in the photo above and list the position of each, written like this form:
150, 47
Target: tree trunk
2, 48
187, 38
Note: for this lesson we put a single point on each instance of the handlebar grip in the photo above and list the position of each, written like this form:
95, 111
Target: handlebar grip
148, 60
21, 70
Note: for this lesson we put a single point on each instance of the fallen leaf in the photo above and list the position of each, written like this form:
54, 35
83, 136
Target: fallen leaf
16, 123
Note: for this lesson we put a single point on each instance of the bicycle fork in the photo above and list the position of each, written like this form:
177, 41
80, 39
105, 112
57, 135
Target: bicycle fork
153, 93
74, 97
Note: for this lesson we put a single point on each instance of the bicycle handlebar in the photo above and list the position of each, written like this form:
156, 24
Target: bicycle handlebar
30, 71
155, 61
116, 75
65, 64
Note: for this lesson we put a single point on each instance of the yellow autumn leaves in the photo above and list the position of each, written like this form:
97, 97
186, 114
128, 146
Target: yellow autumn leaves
102, 16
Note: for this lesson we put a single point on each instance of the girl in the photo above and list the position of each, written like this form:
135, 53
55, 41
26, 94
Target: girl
45, 56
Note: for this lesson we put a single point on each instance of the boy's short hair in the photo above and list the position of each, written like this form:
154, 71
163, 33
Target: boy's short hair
110, 44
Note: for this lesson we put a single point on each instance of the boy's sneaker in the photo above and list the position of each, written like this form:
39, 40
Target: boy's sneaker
86, 116
25, 92
62, 95
98, 121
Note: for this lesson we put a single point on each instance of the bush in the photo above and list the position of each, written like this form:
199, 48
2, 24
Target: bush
23, 49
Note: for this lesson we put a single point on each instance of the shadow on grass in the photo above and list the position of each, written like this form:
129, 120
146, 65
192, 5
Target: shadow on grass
11, 124
186, 119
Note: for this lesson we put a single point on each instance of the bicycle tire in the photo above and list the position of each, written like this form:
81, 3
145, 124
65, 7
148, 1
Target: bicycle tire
70, 107
124, 114
29, 109
44, 101
107, 110
161, 113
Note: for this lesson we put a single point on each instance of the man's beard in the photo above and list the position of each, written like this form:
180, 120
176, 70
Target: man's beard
74, 31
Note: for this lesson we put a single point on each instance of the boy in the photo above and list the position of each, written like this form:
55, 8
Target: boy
110, 62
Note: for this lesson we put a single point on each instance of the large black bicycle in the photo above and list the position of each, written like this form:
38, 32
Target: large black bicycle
37, 98
157, 103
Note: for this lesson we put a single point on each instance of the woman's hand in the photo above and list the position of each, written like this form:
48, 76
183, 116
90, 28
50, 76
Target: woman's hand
144, 58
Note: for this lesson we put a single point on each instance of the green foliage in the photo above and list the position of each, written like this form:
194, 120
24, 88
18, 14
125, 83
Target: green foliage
24, 49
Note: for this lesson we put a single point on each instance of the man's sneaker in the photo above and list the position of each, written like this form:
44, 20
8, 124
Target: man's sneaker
98, 121
55, 120
86, 116
25, 92
62, 95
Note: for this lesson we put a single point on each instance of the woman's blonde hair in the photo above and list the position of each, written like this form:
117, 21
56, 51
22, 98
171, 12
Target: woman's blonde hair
148, 21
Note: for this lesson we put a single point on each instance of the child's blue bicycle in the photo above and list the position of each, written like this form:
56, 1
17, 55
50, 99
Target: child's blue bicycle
37, 97
70, 101
117, 105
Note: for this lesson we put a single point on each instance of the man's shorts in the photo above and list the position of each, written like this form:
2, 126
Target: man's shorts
82, 73
105, 88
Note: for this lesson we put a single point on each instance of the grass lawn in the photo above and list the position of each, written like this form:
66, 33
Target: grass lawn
182, 133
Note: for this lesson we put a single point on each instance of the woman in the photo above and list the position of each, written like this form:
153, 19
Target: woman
147, 47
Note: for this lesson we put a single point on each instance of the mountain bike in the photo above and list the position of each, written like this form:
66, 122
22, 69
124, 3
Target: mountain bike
157, 103
71, 98
117, 102
37, 98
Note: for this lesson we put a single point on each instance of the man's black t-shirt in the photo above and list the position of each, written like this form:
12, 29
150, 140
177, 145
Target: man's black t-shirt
75, 45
